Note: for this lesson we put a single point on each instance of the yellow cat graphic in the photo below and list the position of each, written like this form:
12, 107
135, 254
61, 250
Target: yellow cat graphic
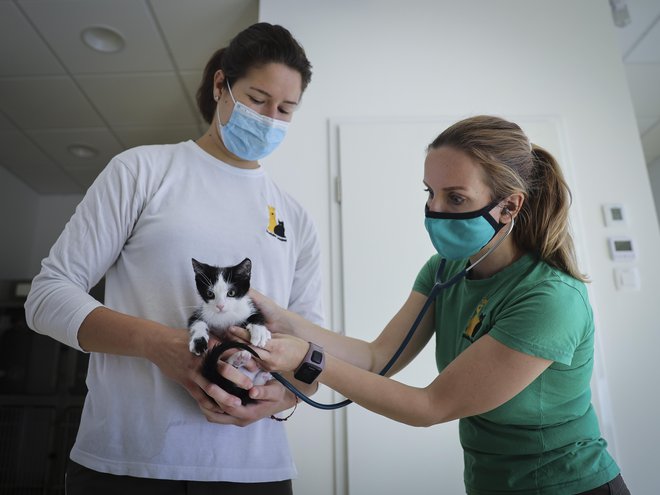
275, 227
475, 321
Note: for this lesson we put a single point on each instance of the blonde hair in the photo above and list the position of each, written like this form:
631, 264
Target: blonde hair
511, 163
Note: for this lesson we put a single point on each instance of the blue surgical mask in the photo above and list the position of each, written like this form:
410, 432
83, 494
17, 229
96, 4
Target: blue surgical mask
461, 235
248, 134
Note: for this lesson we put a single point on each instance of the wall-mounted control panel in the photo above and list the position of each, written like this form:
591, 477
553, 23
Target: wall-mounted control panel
614, 214
622, 248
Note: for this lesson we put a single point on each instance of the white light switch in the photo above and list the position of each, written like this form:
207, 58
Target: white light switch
626, 278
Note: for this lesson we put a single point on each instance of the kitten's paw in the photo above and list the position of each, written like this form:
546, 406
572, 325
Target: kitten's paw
261, 378
198, 346
239, 358
259, 334
199, 337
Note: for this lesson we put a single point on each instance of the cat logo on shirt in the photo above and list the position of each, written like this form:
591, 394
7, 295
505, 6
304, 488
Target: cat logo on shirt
275, 227
475, 322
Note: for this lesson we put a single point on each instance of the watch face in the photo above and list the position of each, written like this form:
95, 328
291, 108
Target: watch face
307, 373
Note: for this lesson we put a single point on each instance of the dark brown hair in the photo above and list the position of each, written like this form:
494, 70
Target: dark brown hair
255, 46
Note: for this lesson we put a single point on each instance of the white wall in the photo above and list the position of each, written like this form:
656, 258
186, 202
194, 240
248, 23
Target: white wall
434, 58
29, 225
19, 207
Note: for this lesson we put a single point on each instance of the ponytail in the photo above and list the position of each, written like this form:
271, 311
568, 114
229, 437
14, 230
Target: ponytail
543, 223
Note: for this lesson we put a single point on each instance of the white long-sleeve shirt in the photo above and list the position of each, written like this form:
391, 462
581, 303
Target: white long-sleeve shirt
149, 212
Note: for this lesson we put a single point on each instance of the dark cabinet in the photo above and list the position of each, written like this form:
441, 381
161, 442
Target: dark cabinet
42, 389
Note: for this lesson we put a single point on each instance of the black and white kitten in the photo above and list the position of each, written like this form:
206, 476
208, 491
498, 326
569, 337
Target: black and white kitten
225, 303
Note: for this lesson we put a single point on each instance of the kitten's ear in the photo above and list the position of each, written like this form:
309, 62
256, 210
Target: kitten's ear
245, 267
197, 266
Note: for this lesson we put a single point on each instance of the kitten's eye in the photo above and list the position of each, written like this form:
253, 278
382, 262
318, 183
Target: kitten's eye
210, 294
231, 293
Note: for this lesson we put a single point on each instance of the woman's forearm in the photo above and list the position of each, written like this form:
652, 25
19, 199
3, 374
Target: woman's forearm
377, 393
372, 356
111, 332
357, 352
481, 378
384, 396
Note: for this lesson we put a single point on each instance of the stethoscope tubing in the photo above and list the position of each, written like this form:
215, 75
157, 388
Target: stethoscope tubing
437, 287
387, 367
435, 290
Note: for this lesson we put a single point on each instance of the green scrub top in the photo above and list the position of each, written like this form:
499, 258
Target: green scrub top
545, 440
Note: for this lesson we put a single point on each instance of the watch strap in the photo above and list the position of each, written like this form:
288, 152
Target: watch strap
312, 364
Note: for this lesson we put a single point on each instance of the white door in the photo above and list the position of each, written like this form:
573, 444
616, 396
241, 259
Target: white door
383, 246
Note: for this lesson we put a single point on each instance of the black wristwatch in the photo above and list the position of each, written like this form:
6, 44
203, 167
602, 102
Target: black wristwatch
312, 365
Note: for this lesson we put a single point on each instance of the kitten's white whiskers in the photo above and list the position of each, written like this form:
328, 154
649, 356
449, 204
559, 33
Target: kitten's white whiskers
206, 279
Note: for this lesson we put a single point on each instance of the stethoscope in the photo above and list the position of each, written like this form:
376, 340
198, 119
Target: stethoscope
435, 290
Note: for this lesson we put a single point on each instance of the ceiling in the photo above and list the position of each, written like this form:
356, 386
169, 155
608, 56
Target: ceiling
640, 50
56, 92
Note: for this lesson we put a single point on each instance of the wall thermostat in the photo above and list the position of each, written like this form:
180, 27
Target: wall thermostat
613, 214
621, 248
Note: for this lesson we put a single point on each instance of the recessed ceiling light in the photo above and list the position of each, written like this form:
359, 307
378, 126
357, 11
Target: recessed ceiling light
82, 151
102, 39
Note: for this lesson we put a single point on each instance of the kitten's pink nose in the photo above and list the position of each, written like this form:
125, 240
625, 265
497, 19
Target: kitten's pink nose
220, 307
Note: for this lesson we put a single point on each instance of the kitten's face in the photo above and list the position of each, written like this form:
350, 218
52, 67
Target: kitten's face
223, 288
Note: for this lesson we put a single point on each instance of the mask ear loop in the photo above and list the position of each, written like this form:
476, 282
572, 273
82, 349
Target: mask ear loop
230, 93
217, 98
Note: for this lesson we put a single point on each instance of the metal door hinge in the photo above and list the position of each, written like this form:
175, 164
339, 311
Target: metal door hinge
338, 189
